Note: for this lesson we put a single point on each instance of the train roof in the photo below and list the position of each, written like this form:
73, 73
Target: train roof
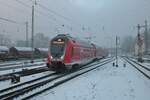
82, 42
4, 48
85, 43
67, 36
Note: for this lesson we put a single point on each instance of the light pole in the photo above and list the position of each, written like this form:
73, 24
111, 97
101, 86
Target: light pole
32, 31
116, 51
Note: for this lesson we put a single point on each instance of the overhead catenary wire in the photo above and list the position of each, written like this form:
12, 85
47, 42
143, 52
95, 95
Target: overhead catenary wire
51, 11
46, 15
8, 5
23, 3
19, 23
10, 21
57, 14
50, 17
40, 12
43, 8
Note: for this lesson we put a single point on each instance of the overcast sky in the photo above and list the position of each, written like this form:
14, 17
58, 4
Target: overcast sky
102, 19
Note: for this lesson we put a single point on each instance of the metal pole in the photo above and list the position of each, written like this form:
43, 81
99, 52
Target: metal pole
26, 34
146, 37
116, 51
138, 27
32, 37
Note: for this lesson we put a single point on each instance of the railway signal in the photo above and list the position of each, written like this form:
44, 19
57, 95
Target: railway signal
140, 42
145, 34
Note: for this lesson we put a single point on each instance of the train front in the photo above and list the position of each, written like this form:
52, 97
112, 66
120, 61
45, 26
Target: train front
57, 53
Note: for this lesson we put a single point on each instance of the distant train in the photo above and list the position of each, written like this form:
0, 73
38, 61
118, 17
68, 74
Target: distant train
66, 52
7, 53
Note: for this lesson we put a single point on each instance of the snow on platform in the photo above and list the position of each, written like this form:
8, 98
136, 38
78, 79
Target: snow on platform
105, 83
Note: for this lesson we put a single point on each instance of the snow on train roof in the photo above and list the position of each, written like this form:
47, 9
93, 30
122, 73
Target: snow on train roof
43, 49
4, 48
23, 48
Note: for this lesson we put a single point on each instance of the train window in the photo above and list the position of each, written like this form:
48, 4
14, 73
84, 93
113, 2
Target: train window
57, 50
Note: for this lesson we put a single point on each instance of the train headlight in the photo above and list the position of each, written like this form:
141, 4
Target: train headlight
61, 57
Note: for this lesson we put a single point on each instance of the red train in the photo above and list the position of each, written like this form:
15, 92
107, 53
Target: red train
66, 52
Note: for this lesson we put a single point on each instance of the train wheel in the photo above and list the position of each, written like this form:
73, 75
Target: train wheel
47, 65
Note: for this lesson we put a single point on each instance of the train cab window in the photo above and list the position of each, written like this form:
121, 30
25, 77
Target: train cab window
57, 48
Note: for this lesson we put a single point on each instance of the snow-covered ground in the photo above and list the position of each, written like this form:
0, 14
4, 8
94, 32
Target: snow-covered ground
104, 83
5, 84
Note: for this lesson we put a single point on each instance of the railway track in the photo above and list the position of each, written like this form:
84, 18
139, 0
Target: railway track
20, 66
23, 73
42, 84
16, 63
142, 69
21, 69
